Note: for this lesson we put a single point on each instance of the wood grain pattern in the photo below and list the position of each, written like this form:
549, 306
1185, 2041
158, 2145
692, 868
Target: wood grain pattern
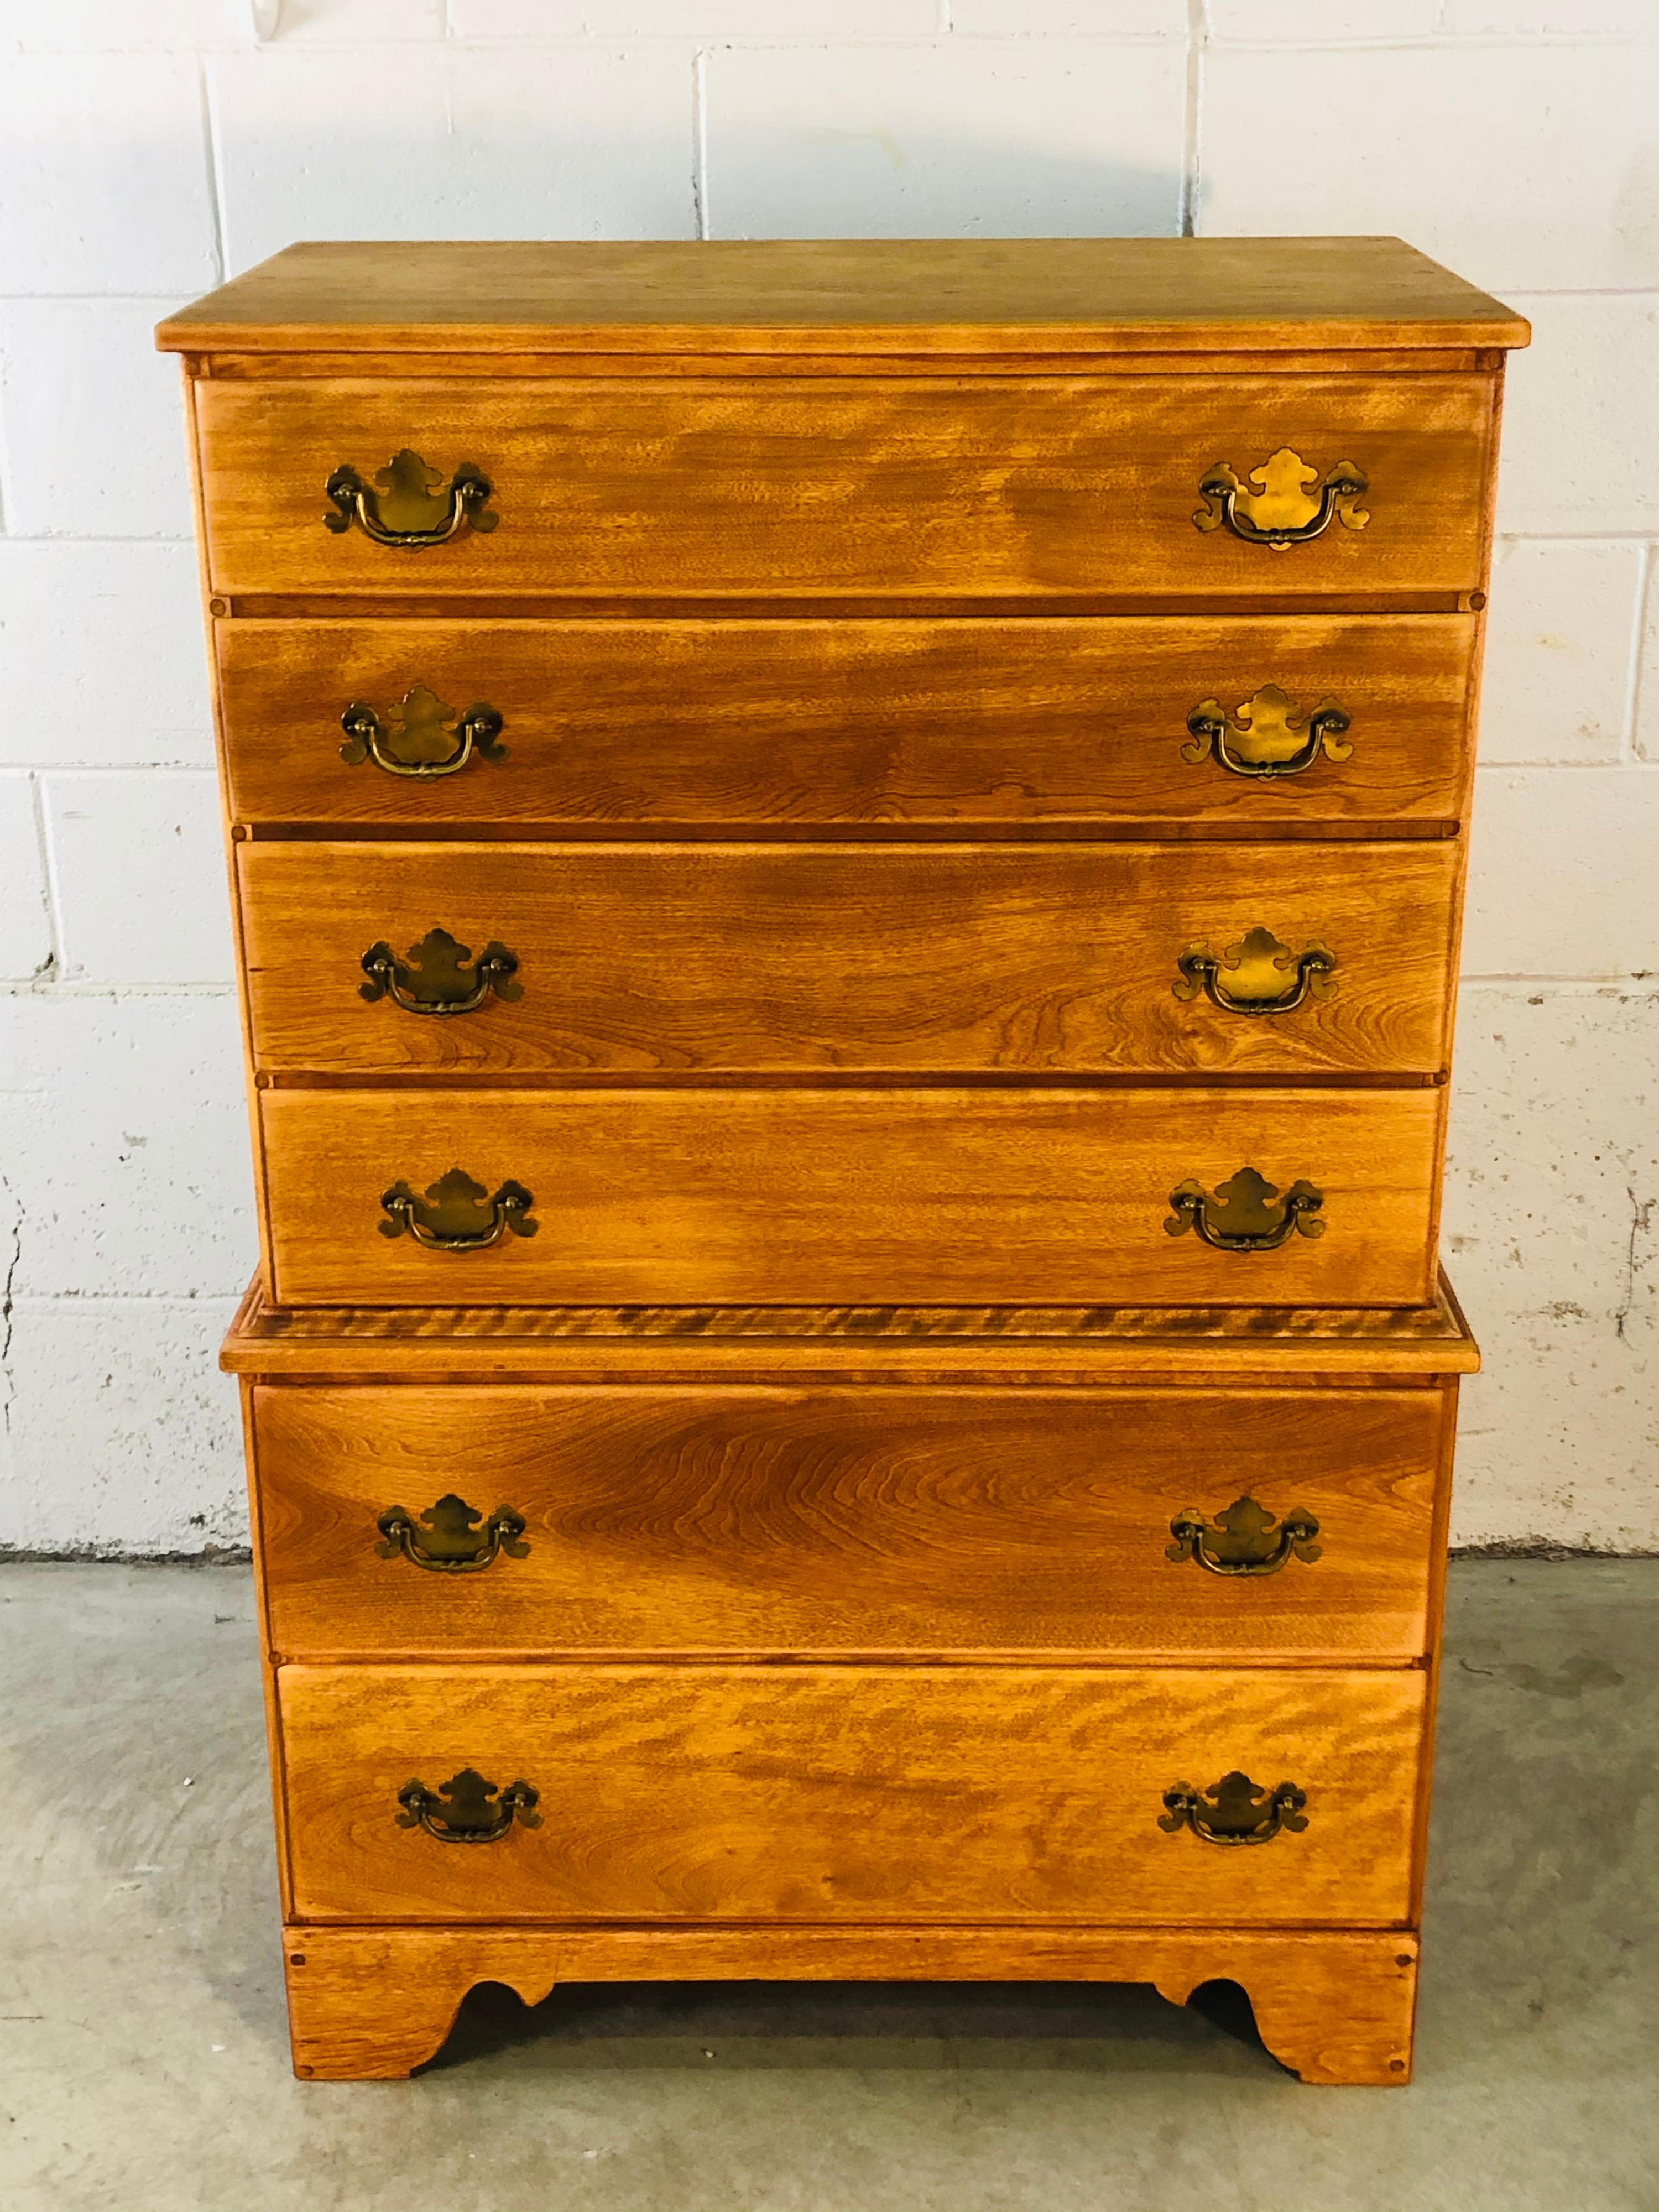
688, 959
839, 1794
935, 295
1031, 721
772, 1522
245, 1394
970, 1197
1439, 1544
374, 2003
851, 1334
447, 359
1075, 1346
262, 1211
1036, 486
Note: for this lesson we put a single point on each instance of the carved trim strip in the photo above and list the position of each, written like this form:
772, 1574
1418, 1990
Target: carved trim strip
888, 1324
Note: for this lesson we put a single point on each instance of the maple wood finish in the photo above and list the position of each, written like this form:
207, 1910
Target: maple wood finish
1034, 723
374, 2003
1335, 2006
1011, 1345
861, 1795
682, 958
811, 804
789, 1521
1025, 488
956, 1196
847, 298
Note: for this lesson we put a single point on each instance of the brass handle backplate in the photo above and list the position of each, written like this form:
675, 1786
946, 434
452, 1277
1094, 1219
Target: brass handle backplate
467, 1810
1266, 735
1281, 512
1255, 969
418, 740
1234, 1810
410, 504
456, 1214
1245, 1540
447, 1537
1239, 1217
433, 977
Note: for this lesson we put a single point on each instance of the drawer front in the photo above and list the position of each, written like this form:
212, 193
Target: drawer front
1035, 488
756, 1520
1031, 720
976, 1197
510, 959
836, 1794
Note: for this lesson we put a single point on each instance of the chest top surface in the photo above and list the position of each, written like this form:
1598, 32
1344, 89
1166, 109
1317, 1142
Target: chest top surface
1072, 295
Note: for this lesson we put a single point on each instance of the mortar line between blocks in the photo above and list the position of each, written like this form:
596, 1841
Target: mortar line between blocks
700, 141
38, 1300
52, 767
54, 959
1191, 157
210, 155
88, 987
1435, 41
1631, 753
1513, 291
164, 300
54, 888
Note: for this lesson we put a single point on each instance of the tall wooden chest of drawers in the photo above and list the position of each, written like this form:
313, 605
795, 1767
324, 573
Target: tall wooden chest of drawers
846, 866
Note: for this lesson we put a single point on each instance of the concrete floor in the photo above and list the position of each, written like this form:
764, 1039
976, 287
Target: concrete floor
143, 2063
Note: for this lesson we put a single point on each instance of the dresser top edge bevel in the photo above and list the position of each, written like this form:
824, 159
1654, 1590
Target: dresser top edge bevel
946, 297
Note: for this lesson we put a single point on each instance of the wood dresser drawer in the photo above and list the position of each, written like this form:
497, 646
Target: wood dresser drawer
786, 1521
650, 959
1029, 720
1030, 487
851, 1794
762, 1196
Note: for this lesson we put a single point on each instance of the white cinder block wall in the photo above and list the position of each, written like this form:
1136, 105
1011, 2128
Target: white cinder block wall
149, 146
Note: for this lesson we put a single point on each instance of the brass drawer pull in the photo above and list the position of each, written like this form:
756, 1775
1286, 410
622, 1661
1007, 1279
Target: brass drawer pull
1266, 735
456, 1214
447, 1537
410, 504
433, 977
475, 1811
1280, 513
1234, 1810
1243, 1540
1260, 963
1239, 1217
418, 740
